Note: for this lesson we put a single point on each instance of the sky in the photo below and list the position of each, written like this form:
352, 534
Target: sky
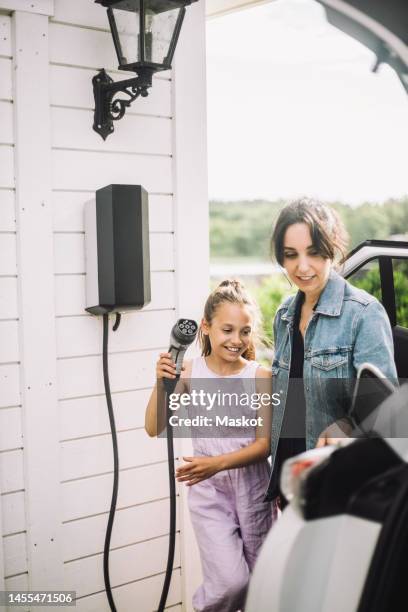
294, 109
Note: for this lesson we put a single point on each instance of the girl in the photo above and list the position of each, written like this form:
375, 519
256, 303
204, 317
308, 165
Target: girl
227, 476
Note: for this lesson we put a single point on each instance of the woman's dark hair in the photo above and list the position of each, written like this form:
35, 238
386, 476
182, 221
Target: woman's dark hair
233, 292
329, 236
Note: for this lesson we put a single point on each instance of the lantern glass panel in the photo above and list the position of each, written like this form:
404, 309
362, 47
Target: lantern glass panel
127, 19
160, 25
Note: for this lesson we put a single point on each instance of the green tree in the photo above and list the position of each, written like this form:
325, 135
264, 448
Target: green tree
269, 295
372, 284
401, 293
243, 228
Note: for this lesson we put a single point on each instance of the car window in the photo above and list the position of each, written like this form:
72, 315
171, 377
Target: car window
400, 270
368, 277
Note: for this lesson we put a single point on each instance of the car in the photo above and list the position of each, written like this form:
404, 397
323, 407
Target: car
341, 544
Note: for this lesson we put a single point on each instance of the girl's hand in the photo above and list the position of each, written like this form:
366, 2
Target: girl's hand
165, 366
197, 469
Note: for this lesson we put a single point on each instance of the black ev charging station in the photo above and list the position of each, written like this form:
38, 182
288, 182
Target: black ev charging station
117, 250
118, 280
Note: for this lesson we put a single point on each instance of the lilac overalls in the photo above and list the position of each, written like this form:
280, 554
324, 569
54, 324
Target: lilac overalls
229, 516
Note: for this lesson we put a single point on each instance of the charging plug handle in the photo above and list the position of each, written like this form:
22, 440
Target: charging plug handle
182, 335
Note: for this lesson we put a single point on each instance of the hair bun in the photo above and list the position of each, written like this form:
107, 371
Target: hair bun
231, 282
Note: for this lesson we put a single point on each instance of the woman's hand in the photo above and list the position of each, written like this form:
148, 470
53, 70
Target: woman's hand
197, 469
337, 433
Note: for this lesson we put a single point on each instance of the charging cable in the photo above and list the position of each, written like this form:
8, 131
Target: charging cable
169, 386
115, 459
182, 335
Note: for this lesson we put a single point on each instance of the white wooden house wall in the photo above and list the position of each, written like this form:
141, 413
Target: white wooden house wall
55, 446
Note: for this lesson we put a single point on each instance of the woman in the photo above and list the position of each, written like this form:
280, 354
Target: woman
322, 334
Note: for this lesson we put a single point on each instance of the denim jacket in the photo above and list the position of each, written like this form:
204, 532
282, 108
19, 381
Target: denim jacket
348, 327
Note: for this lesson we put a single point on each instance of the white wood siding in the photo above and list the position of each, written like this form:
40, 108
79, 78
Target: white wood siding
12, 511
140, 151
155, 146
36, 467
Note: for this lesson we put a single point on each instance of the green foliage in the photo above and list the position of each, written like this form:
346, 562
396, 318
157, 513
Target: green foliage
243, 229
370, 282
368, 221
401, 291
269, 295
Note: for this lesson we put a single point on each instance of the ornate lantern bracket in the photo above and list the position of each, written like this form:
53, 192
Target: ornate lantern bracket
108, 108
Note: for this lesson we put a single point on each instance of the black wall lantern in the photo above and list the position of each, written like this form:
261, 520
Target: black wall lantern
145, 34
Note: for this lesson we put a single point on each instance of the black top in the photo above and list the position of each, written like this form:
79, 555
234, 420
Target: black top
292, 439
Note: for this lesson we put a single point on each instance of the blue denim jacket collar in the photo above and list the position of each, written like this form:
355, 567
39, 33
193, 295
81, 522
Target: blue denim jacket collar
330, 301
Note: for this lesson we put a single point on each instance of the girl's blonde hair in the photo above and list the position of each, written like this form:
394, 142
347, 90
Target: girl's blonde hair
233, 292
